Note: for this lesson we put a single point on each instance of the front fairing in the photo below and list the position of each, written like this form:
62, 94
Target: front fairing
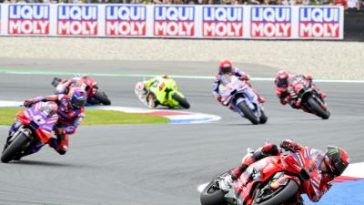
38, 121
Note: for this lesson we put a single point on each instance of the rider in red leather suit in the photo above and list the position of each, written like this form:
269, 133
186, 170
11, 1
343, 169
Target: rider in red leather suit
324, 167
284, 89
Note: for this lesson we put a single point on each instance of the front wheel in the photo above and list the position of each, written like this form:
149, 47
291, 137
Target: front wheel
15, 147
316, 108
248, 113
276, 197
181, 101
212, 195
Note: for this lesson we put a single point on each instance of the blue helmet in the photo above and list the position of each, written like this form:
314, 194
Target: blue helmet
77, 97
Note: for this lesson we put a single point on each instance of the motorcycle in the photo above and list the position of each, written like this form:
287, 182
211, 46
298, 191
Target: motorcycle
99, 97
239, 96
308, 98
164, 91
33, 130
273, 180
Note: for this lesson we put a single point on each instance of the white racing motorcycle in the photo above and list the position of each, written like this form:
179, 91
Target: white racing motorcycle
239, 97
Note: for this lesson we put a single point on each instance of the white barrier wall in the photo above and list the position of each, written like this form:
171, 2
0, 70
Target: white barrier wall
176, 21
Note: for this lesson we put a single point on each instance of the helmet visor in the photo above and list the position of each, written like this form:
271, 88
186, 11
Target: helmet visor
226, 70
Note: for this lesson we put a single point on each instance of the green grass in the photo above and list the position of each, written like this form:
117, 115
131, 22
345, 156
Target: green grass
95, 117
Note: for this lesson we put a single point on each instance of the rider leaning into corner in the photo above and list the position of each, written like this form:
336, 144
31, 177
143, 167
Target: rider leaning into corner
324, 167
84, 82
70, 114
144, 90
284, 89
226, 68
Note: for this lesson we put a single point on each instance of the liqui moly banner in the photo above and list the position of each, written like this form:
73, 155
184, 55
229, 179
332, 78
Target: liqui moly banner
174, 21
319, 22
125, 20
24, 19
222, 21
271, 22
77, 20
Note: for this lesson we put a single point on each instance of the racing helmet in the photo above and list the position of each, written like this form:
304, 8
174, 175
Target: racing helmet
336, 160
281, 79
77, 97
225, 66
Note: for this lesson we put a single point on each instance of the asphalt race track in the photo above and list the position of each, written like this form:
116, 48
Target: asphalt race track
161, 164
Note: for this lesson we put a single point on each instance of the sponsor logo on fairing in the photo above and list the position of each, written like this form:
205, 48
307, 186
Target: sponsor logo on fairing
222, 21
77, 20
271, 22
28, 19
125, 20
174, 21
319, 22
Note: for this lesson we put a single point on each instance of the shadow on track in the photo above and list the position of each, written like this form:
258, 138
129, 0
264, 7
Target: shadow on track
45, 163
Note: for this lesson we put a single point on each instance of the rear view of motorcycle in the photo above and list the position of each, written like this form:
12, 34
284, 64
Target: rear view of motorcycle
31, 131
241, 98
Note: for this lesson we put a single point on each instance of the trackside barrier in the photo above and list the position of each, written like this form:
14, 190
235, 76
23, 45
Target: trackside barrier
172, 21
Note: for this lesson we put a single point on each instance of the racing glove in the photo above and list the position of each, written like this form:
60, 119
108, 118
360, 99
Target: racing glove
28, 102
289, 145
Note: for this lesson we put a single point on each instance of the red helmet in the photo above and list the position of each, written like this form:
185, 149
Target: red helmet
90, 83
336, 160
225, 66
281, 79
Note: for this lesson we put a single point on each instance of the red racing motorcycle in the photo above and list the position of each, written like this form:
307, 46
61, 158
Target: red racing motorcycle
95, 96
274, 180
306, 97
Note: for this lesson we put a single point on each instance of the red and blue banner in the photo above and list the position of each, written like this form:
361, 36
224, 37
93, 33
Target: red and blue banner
174, 21
271, 22
125, 20
319, 22
24, 19
177, 21
222, 21
77, 20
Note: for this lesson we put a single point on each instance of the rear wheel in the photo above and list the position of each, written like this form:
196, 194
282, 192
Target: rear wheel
14, 148
263, 118
324, 114
102, 98
212, 195
56, 81
181, 101
279, 196
248, 113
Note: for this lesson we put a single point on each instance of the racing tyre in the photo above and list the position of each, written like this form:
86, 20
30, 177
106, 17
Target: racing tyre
318, 109
263, 118
14, 148
212, 195
248, 113
102, 98
181, 100
277, 197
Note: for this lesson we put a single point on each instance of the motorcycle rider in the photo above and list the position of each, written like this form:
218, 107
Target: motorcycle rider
84, 82
143, 89
324, 167
284, 90
226, 68
70, 111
